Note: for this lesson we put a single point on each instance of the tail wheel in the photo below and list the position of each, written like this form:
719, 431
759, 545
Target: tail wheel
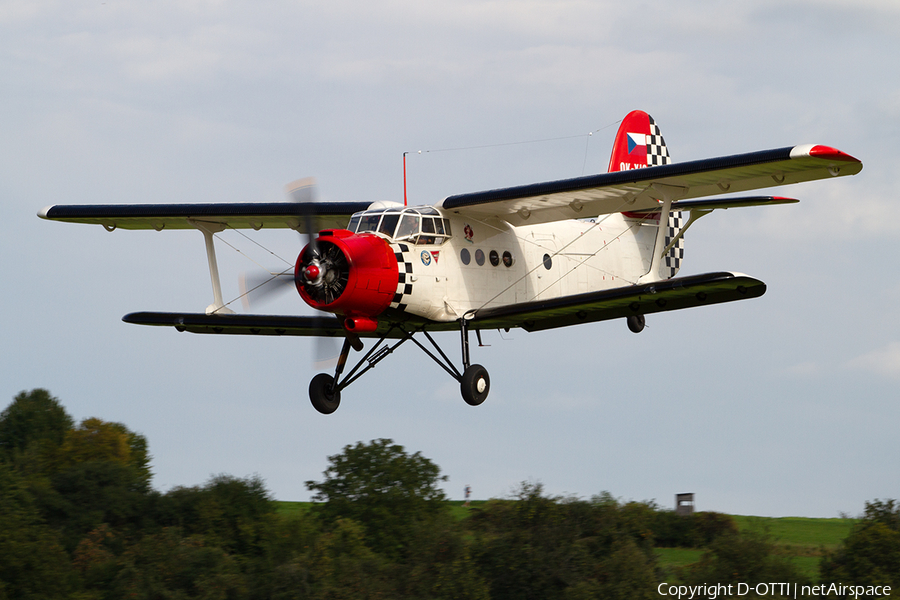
475, 385
636, 323
322, 394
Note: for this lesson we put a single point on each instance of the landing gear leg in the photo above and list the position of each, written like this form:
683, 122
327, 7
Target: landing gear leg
325, 390
475, 382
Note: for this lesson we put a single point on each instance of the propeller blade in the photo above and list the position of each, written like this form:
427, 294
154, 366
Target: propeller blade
259, 287
304, 193
326, 352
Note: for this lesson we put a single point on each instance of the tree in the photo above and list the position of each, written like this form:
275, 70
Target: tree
741, 558
91, 493
98, 474
535, 546
871, 553
389, 492
32, 562
233, 513
33, 426
95, 440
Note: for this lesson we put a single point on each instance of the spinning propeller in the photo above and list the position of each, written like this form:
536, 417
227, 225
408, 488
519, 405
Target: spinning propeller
321, 270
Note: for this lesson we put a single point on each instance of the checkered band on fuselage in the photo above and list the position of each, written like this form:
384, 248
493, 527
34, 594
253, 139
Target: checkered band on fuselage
404, 276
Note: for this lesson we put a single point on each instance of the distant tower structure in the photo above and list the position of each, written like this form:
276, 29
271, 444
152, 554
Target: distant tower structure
684, 504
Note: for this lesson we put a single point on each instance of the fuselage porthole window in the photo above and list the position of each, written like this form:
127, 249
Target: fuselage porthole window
508, 259
548, 262
479, 257
494, 258
464, 256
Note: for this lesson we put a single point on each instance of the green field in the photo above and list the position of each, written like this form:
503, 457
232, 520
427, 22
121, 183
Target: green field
799, 531
803, 539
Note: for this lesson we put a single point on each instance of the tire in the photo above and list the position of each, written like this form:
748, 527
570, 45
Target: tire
636, 323
475, 385
321, 395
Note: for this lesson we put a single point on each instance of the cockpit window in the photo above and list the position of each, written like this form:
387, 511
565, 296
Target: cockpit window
369, 222
407, 224
388, 224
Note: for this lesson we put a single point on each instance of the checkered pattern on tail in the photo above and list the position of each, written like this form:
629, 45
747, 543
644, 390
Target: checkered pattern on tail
673, 258
657, 153
404, 279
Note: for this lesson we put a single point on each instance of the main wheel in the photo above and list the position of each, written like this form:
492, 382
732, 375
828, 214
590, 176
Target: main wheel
636, 323
324, 399
475, 385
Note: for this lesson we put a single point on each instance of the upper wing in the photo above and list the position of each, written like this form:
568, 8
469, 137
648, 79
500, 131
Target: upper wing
670, 294
643, 189
246, 215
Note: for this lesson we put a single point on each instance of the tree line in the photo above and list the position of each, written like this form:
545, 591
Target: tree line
79, 519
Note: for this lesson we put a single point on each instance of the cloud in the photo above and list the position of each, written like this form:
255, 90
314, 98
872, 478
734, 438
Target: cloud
883, 361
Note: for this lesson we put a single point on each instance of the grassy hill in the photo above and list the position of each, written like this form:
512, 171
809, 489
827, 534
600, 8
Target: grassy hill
801, 538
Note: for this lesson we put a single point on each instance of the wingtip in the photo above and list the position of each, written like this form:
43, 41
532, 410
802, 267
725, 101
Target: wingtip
45, 212
830, 153
824, 152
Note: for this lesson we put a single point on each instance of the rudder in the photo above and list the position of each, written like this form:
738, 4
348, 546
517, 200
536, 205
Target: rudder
640, 144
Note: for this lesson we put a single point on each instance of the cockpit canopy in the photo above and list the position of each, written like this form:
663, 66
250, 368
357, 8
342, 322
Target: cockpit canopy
420, 225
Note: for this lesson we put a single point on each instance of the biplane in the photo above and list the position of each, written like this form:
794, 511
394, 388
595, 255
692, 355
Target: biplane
534, 257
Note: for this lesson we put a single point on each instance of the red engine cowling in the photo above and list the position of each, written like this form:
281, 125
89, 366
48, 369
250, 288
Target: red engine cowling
348, 274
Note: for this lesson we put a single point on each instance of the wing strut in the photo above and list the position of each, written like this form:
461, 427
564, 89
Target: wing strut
668, 193
208, 230
694, 216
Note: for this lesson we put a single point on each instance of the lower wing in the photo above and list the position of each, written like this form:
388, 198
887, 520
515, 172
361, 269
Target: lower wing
671, 294
660, 296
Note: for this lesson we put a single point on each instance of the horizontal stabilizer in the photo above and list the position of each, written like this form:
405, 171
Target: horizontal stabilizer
722, 203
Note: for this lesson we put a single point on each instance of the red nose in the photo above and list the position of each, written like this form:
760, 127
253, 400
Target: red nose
348, 274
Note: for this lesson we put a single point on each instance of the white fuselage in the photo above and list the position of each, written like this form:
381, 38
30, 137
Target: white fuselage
491, 263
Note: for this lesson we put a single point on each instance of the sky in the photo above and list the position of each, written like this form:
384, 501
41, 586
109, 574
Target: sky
778, 406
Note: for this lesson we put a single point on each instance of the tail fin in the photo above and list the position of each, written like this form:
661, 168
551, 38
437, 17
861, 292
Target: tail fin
640, 144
